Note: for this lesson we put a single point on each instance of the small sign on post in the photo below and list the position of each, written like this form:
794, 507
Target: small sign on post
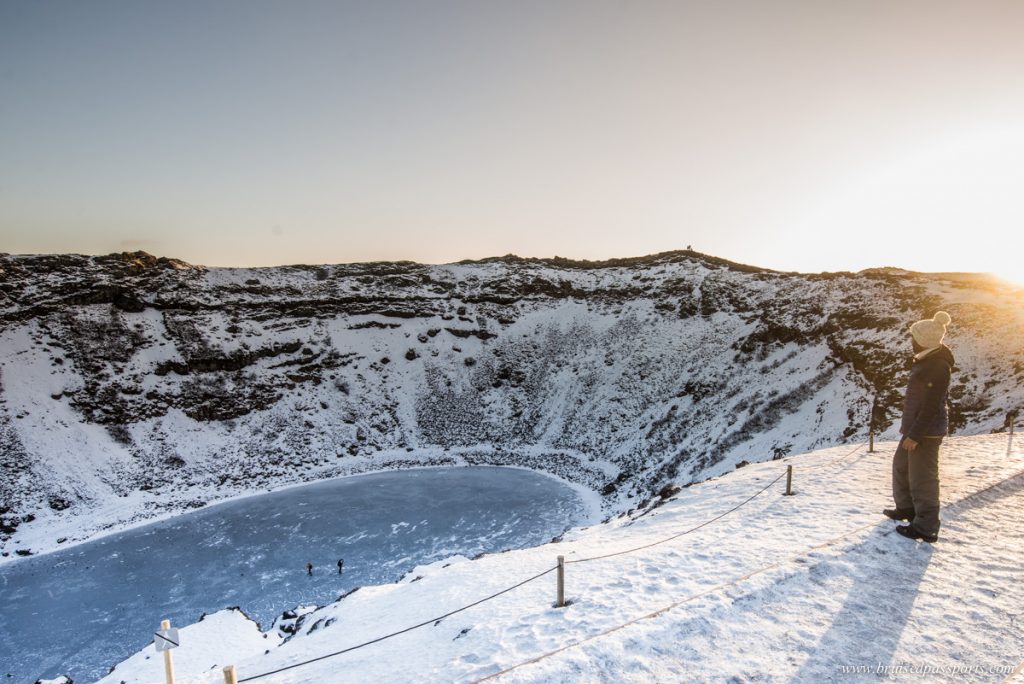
166, 639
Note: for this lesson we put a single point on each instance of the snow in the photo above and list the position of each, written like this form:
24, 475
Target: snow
212, 643
808, 588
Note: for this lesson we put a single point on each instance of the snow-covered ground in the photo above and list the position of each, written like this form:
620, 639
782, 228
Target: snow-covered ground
811, 588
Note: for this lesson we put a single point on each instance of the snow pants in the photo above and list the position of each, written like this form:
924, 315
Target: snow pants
915, 483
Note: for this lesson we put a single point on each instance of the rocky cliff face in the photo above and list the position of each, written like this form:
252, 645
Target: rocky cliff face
134, 385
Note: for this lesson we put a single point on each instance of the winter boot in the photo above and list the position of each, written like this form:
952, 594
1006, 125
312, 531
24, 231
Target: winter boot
899, 513
911, 532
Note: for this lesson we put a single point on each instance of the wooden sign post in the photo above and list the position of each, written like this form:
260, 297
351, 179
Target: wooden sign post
165, 640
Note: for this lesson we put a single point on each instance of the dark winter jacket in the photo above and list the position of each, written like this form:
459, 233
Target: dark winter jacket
925, 411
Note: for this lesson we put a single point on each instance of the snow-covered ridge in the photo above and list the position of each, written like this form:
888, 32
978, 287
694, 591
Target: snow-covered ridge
134, 387
806, 588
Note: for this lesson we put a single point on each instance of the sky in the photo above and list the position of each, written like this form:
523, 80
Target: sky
795, 135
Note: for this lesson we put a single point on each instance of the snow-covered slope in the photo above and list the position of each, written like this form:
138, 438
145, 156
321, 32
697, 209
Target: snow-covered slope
133, 387
812, 587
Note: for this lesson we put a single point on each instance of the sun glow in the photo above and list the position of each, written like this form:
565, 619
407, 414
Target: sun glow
1013, 277
953, 205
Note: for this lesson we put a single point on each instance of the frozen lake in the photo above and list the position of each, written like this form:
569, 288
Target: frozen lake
79, 611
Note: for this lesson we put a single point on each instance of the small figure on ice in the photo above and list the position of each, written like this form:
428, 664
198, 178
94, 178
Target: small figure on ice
341, 565
915, 466
309, 568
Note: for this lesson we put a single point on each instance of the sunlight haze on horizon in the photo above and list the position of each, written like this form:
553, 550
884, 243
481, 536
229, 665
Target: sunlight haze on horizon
792, 135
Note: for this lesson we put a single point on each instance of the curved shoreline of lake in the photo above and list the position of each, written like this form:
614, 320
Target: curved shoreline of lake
79, 610
105, 522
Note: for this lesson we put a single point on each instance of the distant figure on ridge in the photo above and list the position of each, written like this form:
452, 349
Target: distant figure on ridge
915, 466
309, 568
341, 565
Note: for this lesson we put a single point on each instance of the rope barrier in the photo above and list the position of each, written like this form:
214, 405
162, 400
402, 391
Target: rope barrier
836, 460
611, 555
516, 586
675, 604
743, 578
680, 534
401, 631
716, 518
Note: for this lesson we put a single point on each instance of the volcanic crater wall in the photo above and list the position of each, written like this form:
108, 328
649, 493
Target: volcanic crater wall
134, 385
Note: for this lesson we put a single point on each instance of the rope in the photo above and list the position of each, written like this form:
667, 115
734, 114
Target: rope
680, 534
664, 609
516, 586
611, 555
401, 631
836, 460
735, 581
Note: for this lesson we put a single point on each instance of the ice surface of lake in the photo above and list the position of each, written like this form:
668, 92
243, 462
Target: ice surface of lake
80, 610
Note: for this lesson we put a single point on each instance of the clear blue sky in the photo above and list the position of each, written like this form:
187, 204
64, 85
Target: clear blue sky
798, 135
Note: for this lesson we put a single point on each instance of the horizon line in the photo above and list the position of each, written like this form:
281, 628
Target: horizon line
555, 260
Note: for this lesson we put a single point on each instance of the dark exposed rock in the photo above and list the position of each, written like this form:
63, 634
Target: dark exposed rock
9, 524
669, 490
234, 362
612, 486
58, 503
374, 324
128, 301
480, 334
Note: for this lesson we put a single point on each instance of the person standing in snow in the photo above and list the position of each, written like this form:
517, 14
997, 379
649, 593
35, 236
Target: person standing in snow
309, 568
915, 466
341, 565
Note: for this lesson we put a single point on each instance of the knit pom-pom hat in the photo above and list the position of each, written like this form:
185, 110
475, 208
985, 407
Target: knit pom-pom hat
929, 332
